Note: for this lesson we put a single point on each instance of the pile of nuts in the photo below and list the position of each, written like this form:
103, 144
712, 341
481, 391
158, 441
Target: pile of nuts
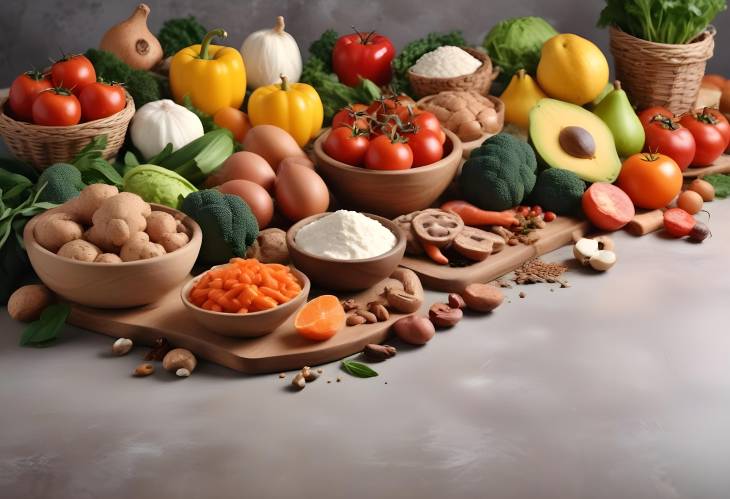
178, 360
405, 299
304, 376
537, 271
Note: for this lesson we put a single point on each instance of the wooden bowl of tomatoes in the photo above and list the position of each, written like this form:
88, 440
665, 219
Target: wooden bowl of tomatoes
49, 117
387, 158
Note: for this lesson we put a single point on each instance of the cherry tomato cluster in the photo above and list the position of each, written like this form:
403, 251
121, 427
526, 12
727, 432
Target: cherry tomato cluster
389, 134
68, 94
692, 139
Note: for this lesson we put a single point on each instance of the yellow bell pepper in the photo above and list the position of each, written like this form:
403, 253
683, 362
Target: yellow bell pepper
212, 75
295, 107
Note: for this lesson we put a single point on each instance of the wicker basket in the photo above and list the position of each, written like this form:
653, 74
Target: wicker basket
479, 81
658, 74
43, 146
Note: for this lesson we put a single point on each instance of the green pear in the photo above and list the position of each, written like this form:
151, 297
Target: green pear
606, 90
615, 110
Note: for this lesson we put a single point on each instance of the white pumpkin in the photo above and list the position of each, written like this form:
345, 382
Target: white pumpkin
163, 122
270, 53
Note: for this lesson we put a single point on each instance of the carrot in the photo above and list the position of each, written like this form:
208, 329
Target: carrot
434, 253
471, 215
243, 286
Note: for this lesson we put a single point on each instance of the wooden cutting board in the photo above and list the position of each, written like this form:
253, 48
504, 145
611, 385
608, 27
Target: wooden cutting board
563, 231
282, 350
722, 165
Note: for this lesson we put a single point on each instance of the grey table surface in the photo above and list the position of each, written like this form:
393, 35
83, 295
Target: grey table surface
618, 386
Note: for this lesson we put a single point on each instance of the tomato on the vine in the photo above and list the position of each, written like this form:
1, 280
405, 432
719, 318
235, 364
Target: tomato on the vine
426, 147
354, 114
666, 136
647, 114
99, 100
23, 91
347, 144
385, 153
73, 72
426, 120
650, 180
56, 107
709, 137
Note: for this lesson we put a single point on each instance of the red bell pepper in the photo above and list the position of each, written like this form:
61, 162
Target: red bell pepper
361, 55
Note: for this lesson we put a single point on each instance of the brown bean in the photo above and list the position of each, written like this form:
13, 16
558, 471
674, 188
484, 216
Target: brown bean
482, 297
443, 315
414, 329
378, 353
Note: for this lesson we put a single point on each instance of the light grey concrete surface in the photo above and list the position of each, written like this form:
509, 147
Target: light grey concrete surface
33, 32
617, 387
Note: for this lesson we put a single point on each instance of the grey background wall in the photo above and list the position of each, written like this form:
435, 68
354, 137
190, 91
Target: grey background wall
33, 32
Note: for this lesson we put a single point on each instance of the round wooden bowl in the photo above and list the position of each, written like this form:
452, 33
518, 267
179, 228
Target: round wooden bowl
249, 325
114, 285
468, 147
479, 81
346, 275
388, 192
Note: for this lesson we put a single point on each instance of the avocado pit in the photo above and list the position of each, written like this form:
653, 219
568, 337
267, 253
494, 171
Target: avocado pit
577, 142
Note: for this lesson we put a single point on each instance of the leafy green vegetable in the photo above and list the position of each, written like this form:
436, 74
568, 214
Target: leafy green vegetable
141, 85
44, 331
515, 44
358, 369
323, 47
14, 189
176, 34
317, 71
721, 183
414, 50
661, 21
93, 167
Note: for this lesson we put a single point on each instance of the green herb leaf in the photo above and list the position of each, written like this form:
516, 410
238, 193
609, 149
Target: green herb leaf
358, 369
44, 331
721, 183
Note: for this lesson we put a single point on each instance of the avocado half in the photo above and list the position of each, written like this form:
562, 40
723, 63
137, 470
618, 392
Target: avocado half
597, 161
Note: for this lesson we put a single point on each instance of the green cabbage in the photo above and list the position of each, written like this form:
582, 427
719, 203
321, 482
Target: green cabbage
515, 44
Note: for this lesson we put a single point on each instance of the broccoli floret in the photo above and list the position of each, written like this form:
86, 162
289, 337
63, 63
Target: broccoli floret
558, 190
176, 34
141, 85
60, 182
228, 224
500, 174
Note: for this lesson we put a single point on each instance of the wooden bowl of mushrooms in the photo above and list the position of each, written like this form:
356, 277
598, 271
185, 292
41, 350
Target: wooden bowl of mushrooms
108, 249
471, 116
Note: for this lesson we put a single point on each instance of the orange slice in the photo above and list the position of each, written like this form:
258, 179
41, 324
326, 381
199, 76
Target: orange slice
320, 318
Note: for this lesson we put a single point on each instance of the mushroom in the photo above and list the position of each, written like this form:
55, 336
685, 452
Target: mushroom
602, 260
181, 361
584, 249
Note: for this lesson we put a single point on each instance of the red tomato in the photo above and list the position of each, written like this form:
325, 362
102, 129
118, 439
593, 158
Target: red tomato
650, 180
426, 147
665, 136
647, 114
24, 90
355, 114
385, 154
607, 207
708, 136
56, 107
74, 72
361, 55
426, 120
99, 100
678, 223
347, 145
721, 122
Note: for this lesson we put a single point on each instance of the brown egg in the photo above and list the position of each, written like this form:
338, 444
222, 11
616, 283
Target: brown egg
690, 201
255, 197
272, 143
244, 165
304, 161
300, 192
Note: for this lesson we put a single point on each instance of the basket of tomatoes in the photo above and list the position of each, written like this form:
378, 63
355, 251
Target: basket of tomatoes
387, 157
49, 117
